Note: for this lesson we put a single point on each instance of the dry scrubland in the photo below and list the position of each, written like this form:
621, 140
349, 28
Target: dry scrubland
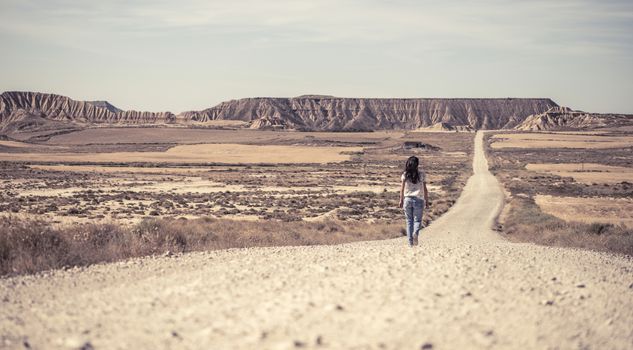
465, 287
28, 246
597, 140
570, 189
199, 154
69, 197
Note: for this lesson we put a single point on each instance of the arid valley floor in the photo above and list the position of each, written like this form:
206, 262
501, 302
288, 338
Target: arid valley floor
298, 240
247, 174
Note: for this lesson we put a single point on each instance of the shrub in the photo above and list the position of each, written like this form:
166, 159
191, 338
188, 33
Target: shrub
525, 222
28, 246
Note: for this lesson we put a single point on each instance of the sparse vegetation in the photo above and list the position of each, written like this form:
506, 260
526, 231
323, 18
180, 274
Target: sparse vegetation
29, 246
365, 188
74, 215
525, 222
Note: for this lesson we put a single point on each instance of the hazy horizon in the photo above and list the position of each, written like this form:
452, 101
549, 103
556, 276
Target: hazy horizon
159, 56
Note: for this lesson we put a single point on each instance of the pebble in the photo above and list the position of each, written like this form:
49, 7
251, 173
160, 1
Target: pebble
333, 307
319, 340
426, 346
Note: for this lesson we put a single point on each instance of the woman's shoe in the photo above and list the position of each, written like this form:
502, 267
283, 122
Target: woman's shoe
415, 239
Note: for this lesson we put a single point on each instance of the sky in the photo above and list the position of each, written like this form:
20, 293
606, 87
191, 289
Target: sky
193, 54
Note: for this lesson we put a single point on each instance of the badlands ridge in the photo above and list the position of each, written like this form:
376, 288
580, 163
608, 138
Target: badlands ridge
32, 111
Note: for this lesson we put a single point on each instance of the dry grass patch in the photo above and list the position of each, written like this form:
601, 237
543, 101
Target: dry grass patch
121, 169
200, 154
28, 246
523, 221
15, 144
140, 135
223, 123
585, 172
617, 211
558, 140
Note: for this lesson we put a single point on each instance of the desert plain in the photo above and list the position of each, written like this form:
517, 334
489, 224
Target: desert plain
184, 173
268, 239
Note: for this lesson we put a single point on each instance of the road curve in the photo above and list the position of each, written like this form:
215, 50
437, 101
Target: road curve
463, 287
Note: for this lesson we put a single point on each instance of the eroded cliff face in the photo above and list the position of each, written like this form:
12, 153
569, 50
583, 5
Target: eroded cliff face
331, 113
564, 118
28, 110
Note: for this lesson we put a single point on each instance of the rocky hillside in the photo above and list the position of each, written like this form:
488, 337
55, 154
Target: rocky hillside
27, 111
105, 104
446, 127
23, 111
560, 118
332, 113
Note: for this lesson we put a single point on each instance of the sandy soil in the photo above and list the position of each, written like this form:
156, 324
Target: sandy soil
586, 172
589, 210
24, 145
183, 136
16, 144
558, 140
122, 169
202, 153
463, 287
580, 132
223, 123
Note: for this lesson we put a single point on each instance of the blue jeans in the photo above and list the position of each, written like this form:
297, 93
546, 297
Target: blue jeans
413, 207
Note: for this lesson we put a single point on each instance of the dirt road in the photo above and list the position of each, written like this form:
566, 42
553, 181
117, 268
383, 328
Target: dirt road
463, 287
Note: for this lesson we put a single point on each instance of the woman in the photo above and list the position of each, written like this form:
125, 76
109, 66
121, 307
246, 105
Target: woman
413, 198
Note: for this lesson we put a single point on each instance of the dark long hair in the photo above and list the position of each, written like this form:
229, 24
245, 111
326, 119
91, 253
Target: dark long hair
411, 169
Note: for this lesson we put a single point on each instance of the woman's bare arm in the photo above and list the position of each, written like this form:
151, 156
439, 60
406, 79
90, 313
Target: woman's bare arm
426, 196
401, 195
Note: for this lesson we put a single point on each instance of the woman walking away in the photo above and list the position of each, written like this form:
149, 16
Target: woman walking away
413, 198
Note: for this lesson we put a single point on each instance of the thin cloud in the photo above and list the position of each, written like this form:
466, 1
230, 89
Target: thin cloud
272, 42
508, 24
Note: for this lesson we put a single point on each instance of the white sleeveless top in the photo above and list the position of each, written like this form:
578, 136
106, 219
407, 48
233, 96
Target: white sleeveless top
414, 190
